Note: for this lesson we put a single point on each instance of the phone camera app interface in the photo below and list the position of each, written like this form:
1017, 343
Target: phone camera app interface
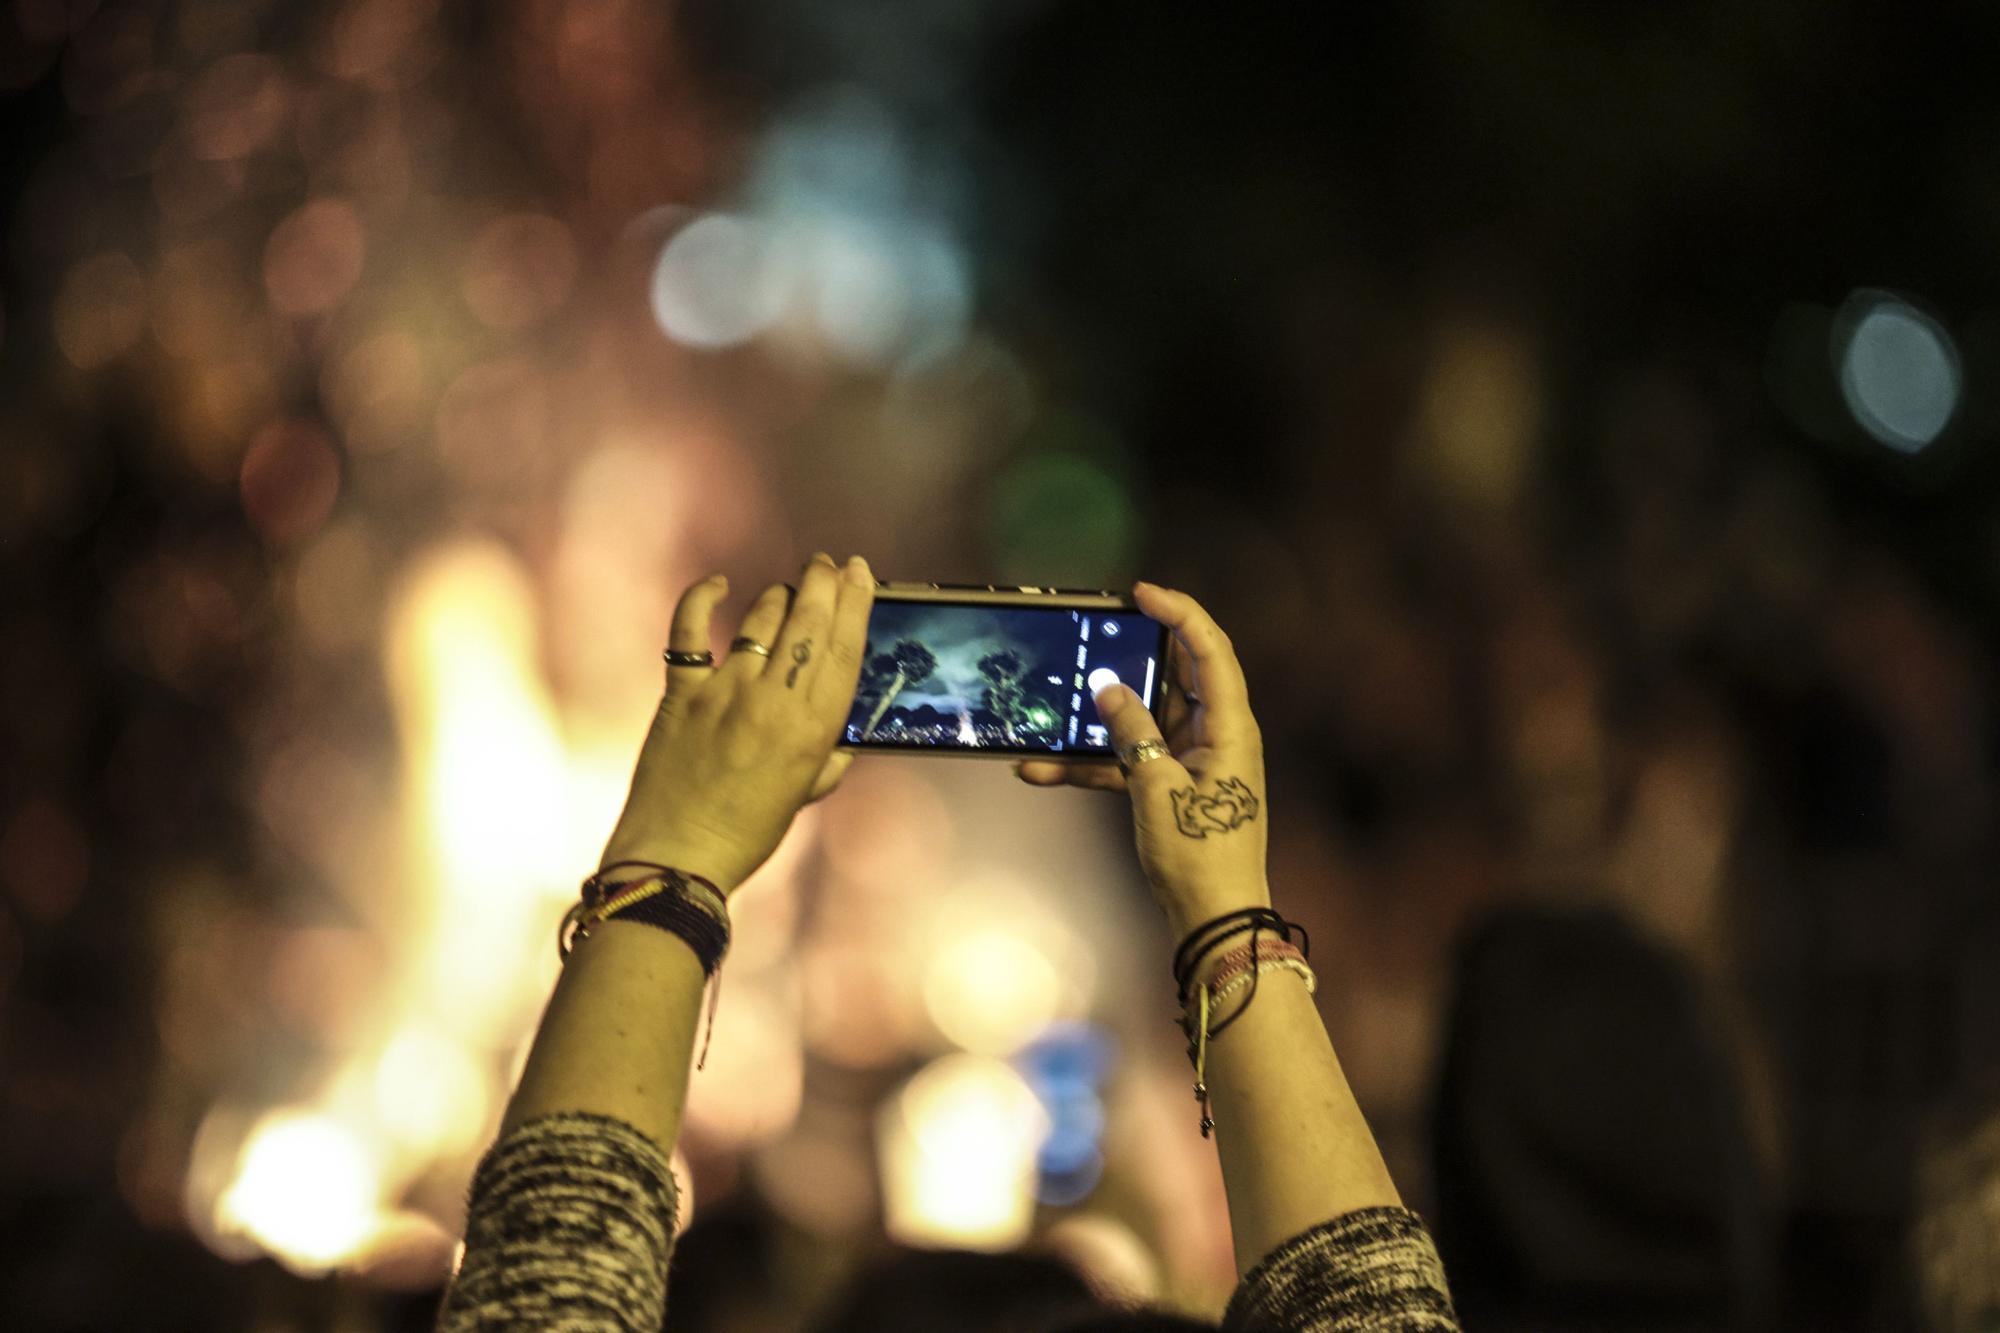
1012, 678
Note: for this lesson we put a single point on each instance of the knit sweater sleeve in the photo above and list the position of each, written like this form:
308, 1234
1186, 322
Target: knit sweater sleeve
1374, 1268
570, 1226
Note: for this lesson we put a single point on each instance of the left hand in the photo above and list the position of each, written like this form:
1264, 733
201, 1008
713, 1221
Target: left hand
737, 748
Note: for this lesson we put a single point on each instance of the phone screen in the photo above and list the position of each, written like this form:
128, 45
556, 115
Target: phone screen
999, 679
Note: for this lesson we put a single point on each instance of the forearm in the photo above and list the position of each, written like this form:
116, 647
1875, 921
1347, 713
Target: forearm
1295, 1148
618, 1033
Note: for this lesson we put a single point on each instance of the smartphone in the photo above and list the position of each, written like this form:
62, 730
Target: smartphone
1000, 672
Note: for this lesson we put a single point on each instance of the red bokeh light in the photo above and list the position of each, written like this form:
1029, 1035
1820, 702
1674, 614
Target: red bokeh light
290, 479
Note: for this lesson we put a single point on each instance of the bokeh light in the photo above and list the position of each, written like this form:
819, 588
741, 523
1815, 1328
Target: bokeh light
519, 270
291, 478
431, 1094
958, 1155
493, 422
720, 281
235, 107
990, 991
44, 860
1062, 518
378, 392
1899, 370
313, 258
306, 1189
752, 1085
100, 310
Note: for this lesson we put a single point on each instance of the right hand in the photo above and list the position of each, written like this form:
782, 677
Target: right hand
1198, 815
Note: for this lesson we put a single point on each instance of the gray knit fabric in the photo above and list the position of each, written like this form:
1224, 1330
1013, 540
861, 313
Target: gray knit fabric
1374, 1268
571, 1223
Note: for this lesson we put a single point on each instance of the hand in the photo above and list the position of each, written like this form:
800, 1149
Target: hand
1199, 815
736, 749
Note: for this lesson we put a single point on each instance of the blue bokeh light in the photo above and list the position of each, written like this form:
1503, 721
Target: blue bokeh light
1899, 371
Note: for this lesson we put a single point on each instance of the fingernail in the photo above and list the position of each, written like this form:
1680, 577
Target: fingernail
822, 558
719, 580
858, 572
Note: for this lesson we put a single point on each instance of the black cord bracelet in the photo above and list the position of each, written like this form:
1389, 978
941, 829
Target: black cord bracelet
1210, 935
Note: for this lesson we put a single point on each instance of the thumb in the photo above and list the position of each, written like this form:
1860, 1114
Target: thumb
1126, 718
830, 774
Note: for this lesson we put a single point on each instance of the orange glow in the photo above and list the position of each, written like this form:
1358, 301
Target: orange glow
378, 392
751, 1088
223, 403
858, 1005
44, 860
369, 39
313, 258
888, 831
200, 306
958, 1155
235, 107
291, 477
519, 270
990, 991
1001, 968
493, 842
1480, 412
1108, 1251
337, 589
430, 1094
306, 1189
493, 421
100, 309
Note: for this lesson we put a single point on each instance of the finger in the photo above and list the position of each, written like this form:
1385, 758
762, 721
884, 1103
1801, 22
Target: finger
1094, 774
802, 639
1129, 724
1218, 676
760, 625
688, 632
846, 640
830, 774
1176, 717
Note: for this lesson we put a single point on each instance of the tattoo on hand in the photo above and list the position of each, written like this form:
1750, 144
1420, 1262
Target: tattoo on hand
802, 652
1231, 806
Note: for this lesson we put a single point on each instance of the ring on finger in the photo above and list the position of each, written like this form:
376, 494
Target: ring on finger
1140, 753
746, 644
675, 657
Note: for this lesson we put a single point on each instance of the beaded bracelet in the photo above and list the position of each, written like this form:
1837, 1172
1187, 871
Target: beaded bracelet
1296, 966
1247, 959
1210, 935
1239, 960
602, 898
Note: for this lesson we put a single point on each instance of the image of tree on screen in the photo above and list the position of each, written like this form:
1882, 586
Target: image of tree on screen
907, 663
965, 677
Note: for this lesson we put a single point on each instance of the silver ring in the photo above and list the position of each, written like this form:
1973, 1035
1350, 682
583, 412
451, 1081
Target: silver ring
746, 644
1140, 753
675, 657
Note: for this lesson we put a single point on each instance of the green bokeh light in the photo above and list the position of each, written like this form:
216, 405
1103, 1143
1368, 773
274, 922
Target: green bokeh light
1061, 518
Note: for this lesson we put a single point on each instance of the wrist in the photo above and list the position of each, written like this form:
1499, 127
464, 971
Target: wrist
1189, 908
716, 870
